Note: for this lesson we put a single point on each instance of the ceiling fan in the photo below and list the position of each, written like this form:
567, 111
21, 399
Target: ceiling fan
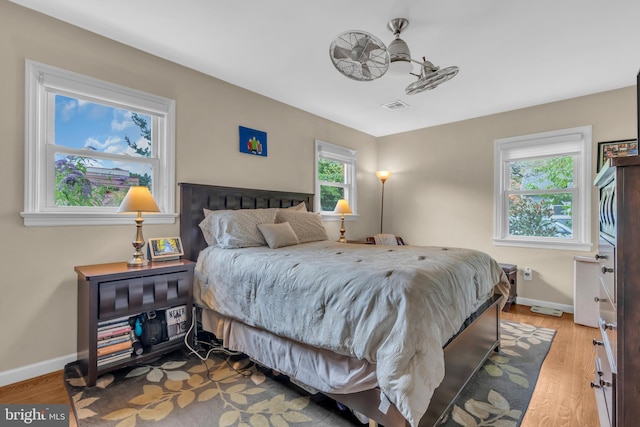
364, 57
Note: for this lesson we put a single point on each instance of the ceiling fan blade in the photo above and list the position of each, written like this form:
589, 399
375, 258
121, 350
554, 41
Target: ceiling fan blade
341, 52
365, 71
371, 46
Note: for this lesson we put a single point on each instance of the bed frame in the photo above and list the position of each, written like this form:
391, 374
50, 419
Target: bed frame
464, 353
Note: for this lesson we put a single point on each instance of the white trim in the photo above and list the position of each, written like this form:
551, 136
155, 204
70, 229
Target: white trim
550, 244
35, 370
349, 158
84, 218
40, 81
533, 302
576, 142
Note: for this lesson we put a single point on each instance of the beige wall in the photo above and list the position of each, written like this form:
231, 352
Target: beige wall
441, 192
38, 287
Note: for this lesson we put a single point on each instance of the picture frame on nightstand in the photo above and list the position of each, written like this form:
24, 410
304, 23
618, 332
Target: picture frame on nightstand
164, 248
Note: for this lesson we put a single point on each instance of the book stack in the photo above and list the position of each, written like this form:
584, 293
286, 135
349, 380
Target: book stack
114, 340
176, 318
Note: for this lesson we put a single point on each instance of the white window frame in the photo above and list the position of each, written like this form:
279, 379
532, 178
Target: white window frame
43, 80
574, 142
348, 157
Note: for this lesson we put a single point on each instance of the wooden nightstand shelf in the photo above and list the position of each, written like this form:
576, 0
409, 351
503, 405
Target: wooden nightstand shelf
112, 291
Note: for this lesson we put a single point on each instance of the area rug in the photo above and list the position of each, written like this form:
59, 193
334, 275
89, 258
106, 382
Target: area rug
181, 390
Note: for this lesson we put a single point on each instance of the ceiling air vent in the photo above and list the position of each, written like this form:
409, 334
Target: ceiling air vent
395, 105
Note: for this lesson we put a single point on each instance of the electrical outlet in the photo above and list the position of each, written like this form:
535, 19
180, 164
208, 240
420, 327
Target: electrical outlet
528, 274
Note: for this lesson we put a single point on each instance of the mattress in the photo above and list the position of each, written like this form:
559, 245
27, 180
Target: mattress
392, 307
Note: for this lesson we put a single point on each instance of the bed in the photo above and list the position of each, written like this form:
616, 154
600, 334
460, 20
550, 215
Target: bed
395, 353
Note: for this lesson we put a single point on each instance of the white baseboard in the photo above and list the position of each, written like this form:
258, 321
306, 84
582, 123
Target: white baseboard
35, 370
531, 302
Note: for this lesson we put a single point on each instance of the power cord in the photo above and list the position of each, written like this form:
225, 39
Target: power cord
216, 347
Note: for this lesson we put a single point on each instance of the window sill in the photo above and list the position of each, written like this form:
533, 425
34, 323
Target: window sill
331, 217
35, 219
533, 244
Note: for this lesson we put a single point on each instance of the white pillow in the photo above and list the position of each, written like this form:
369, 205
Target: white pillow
278, 235
302, 207
236, 228
308, 226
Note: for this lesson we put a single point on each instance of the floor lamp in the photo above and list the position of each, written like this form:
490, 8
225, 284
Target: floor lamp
382, 176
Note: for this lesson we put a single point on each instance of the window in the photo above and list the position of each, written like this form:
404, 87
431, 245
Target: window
543, 190
335, 177
88, 141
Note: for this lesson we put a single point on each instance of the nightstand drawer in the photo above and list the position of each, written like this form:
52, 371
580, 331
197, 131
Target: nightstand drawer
142, 293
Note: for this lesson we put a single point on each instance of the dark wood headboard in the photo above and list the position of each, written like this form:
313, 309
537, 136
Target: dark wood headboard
195, 197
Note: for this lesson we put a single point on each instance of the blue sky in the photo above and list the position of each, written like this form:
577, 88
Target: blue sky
100, 128
82, 124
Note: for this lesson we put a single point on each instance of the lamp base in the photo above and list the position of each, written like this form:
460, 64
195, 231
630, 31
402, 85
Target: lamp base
137, 261
342, 239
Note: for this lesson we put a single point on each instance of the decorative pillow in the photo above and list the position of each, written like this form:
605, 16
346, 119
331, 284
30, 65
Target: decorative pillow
278, 235
302, 207
308, 226
236, 228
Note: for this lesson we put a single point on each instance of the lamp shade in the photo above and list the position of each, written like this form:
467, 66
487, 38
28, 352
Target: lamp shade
138, 199
342, 207
383, 175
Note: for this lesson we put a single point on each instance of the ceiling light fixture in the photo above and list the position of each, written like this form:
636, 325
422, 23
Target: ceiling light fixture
399, 53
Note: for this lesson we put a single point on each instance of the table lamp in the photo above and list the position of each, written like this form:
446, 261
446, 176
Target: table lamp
138, 200
342, 207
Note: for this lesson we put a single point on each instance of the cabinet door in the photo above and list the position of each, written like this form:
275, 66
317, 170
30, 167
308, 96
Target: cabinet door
138, 294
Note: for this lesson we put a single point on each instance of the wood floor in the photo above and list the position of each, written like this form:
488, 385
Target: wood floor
562, 397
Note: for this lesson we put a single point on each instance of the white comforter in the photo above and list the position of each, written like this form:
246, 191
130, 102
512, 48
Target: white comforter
393, 306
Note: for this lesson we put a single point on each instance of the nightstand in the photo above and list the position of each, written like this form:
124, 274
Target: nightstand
511, 271
112, 293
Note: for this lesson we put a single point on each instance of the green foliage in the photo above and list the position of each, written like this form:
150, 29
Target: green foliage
143, 180
530, 218
145, 132
532, 215
330, 171
329, 196
73, 188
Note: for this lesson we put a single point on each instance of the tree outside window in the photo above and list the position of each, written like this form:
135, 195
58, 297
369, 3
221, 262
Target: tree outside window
335, 177
539, 203
87, 136
86, 142
542, 190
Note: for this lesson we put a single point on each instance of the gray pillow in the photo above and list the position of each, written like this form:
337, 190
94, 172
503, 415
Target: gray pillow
236, 228
308, 226
278, 235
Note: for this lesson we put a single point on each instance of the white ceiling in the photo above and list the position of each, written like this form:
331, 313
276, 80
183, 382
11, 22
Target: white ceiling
511, 53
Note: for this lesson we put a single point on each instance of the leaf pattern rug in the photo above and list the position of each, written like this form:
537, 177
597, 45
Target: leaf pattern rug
181, 390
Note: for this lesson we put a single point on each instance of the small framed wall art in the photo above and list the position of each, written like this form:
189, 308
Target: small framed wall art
165, 248
610, 149
253, 141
